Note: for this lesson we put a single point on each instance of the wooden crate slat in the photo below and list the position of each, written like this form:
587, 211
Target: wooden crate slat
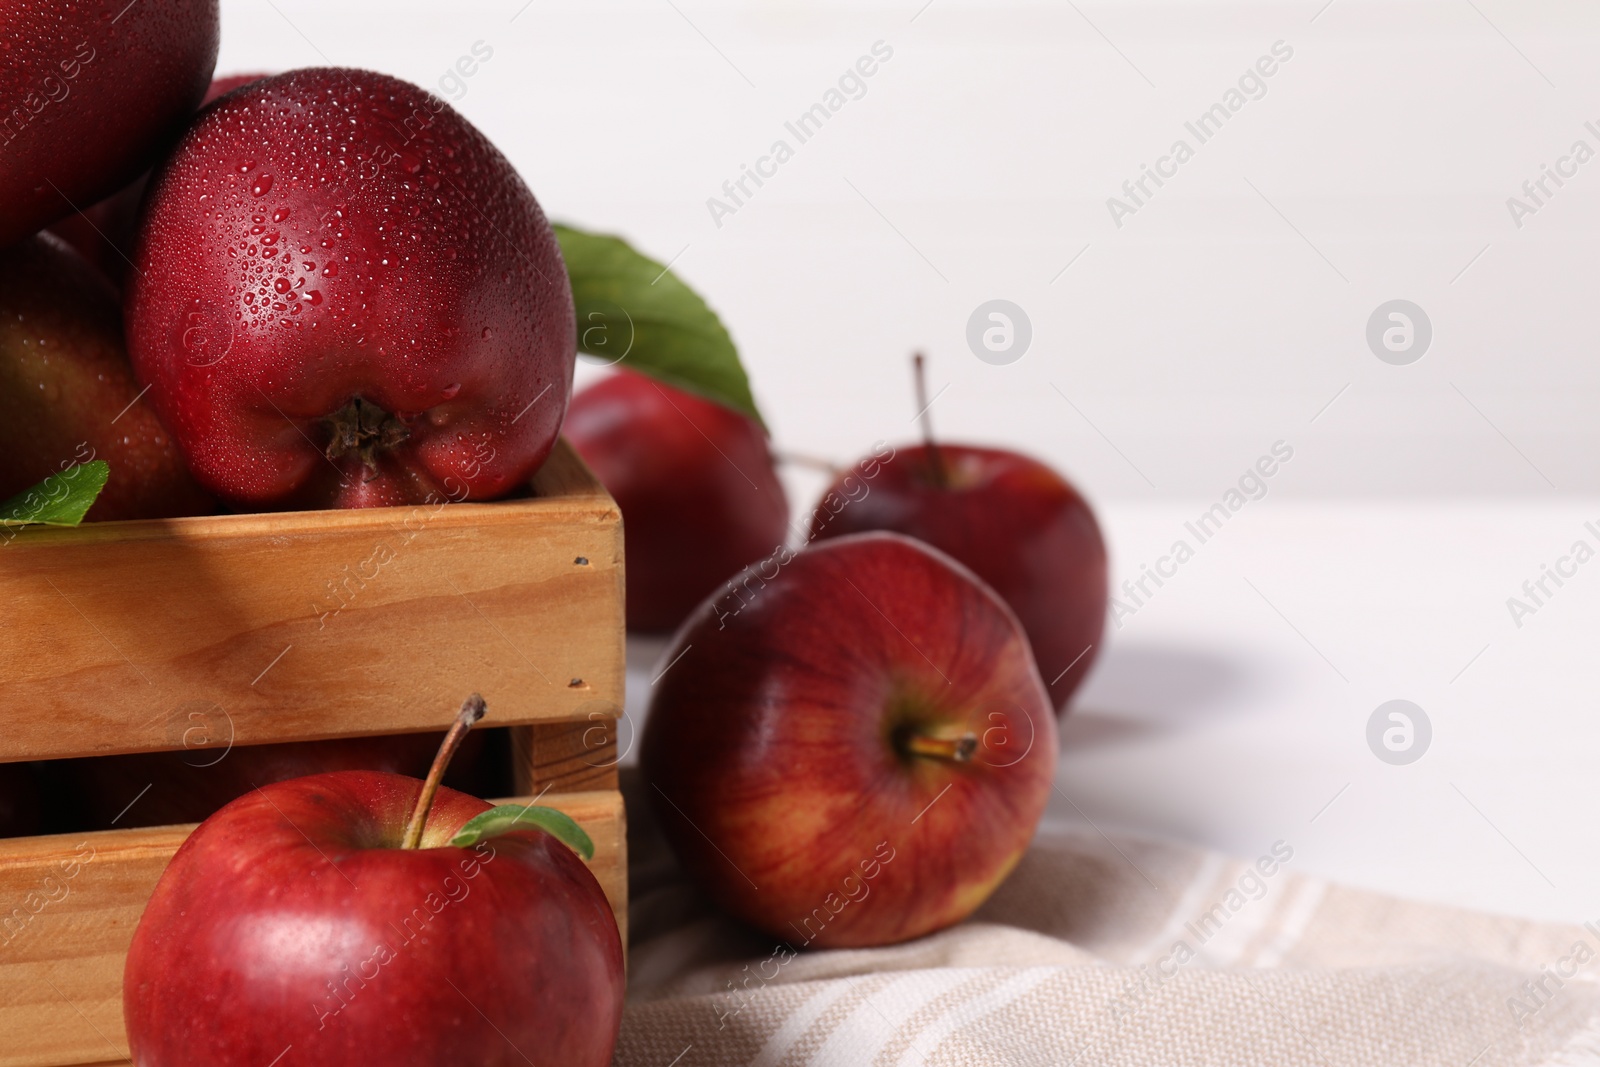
307, 625
568, 756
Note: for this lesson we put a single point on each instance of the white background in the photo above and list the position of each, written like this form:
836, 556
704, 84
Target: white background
1228, 313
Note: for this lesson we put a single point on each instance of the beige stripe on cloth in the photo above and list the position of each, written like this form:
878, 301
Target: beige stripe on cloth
1076, 960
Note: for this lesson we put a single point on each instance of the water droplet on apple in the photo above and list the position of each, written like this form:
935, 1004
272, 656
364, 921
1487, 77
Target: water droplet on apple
261, 186
487, 333
450, 391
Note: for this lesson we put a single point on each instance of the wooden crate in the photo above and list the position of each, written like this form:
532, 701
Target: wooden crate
248, 629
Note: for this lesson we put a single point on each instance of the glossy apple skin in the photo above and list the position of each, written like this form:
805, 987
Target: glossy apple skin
1018, 524
291, 918
326, 236
91, 93
103, 233
696, 483
190, 785
771, 750
67, 392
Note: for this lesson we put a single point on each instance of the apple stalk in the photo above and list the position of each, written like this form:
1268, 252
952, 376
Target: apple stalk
941, 476
955, 749
472, 709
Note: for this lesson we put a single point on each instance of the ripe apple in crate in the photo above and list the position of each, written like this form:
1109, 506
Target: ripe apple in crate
67, 392
345, 296
103, 233
855, 750
91, 92
164, 788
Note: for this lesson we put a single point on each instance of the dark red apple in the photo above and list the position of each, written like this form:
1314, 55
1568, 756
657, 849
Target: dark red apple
163, 788
856, 754
696, 483
67, 393
1019, 525
321, 922
345, 296
91, 92
103, 232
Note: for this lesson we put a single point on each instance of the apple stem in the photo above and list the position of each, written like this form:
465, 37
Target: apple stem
957, 749
935, 458
800, 459
472, 710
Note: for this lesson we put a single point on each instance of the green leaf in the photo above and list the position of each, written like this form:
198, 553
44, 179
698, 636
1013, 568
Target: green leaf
61, 499
634, 312
509, 817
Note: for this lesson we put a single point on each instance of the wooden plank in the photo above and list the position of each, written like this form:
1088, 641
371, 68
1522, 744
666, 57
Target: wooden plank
307, 625
566, 757
69, 906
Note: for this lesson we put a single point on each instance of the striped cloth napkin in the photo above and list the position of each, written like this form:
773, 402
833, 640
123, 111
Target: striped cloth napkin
1114, 951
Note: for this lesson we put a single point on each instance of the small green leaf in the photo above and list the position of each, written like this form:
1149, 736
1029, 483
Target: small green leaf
508, 817
61, 499
634, 312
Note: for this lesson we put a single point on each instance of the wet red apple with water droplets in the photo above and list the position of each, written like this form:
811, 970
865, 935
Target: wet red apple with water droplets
103, 233
347, 297
91, 92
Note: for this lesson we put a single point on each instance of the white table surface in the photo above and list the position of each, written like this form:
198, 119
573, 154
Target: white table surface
1231, 710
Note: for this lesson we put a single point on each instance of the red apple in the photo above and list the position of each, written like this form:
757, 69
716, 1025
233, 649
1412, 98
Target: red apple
163, 788
103, 233
345, 296
696, 483
1018, 523
856, 749
67, 393
329, 920
90, 94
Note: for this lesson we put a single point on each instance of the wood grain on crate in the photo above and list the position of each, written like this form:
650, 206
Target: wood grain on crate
157, 634
61, 965
567, 757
